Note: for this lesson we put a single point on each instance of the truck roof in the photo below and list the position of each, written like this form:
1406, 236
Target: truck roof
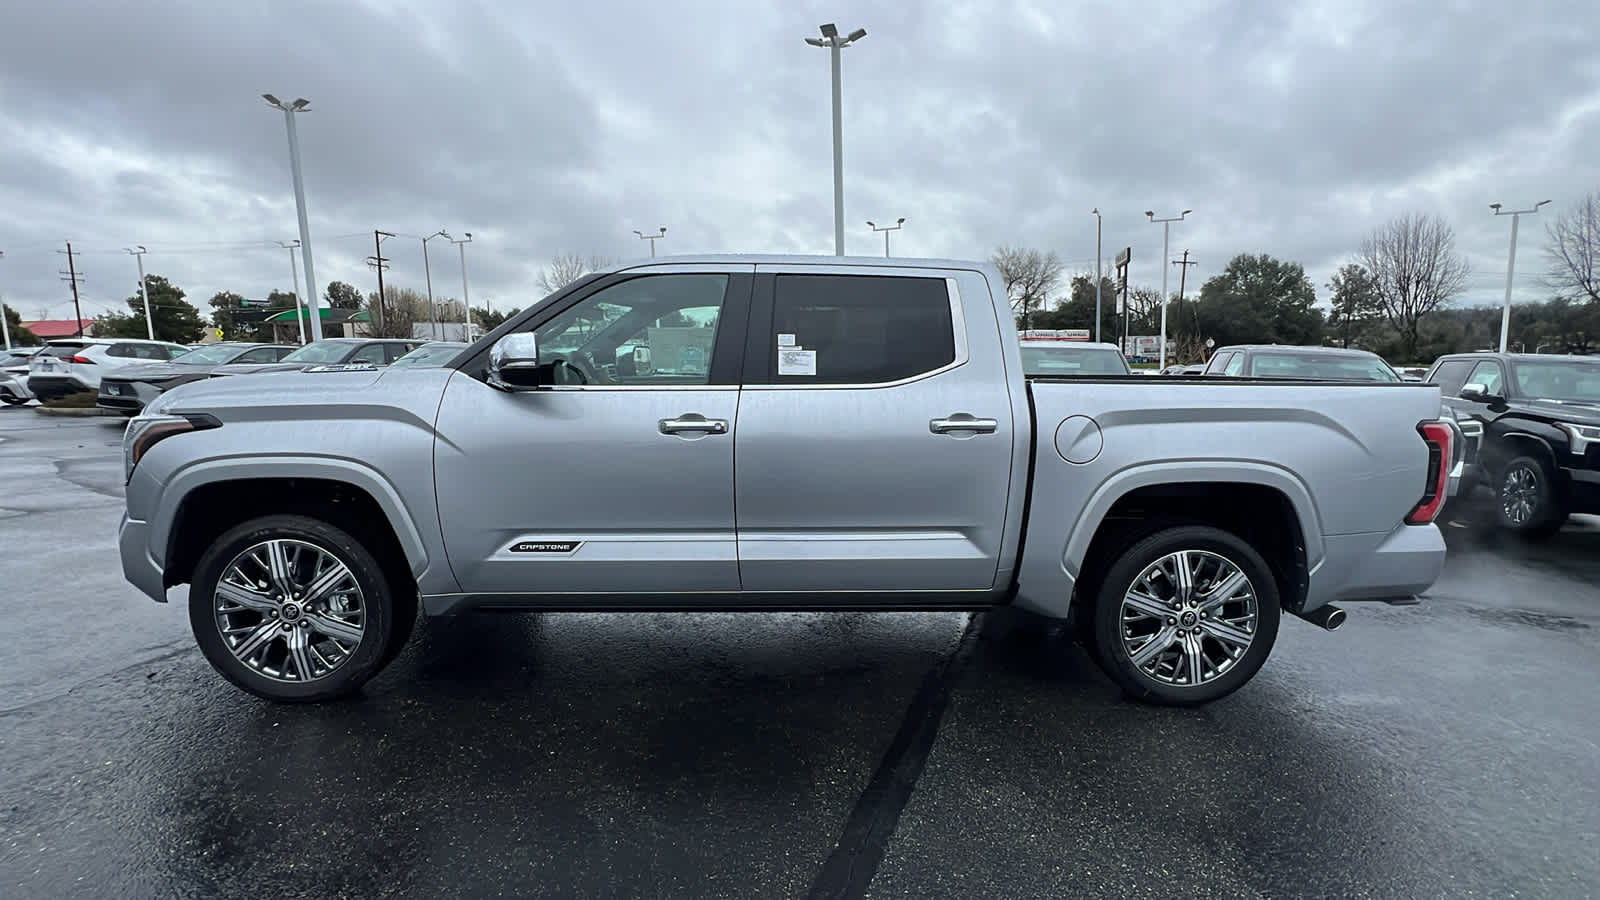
877, 262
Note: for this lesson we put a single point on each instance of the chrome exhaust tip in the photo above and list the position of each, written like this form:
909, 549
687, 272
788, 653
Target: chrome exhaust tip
1327, 616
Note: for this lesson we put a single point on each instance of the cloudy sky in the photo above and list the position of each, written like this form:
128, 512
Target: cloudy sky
1289, 128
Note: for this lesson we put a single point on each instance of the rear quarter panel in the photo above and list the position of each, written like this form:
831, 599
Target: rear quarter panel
1348, 457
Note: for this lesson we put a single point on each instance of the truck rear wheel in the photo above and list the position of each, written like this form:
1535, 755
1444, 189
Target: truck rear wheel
292, 609
1185, 616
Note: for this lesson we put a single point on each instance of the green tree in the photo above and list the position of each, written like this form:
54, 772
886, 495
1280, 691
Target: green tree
488, 319
20, 336
342, 296
1260, 299
1356, 307
1077, 310
224, 306
176, 319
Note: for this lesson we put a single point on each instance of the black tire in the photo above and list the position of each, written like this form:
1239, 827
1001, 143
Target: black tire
1528, 478
375, 648
1111, 652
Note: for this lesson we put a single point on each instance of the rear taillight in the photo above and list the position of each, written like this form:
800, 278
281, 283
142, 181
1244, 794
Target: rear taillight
81, 360
1439, 437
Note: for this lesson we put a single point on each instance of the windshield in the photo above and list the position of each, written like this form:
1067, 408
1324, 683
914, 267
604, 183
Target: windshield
1321, 365
1558, 380
430, 355
208, 356
1068, 360
319, 352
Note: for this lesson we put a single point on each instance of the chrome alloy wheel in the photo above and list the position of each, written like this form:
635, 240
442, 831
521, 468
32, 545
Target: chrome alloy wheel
289, 610
1519, 494
1188, 617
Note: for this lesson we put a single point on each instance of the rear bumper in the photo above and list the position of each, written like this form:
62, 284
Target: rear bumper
49, 387
15, 387
132, 400
138, 567
1399, 565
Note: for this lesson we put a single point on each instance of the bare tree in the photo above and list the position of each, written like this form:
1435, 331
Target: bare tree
1574, 250
1029, 275
402, 309
1415, 270
565, 268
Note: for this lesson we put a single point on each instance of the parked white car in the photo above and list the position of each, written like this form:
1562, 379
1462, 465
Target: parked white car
71, 365
14, 375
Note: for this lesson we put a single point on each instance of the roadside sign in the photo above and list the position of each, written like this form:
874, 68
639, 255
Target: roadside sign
1125, 255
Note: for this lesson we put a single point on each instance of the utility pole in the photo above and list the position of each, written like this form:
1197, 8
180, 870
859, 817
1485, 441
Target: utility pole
1097, 276
72, 276
289, 110
886, 229
1183, 275
5, 326
378, 262
144, 291
1511, 264
652, 238
294, 285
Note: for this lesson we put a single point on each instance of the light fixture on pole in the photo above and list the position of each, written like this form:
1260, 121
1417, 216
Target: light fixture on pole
294, 288
313, 304
5, 326
1511, 264
466, 298
1166, 233
427, 274
900, 223
1097, 276
149, 323
652, 238
834, 43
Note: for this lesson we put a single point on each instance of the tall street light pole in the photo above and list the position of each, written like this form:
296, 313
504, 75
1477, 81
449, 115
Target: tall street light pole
149, 323
466, 298
1166, 234
1511, 264
831, 40
294, 284
427, 274
1097, 276
313, 303
899, 223
652, 238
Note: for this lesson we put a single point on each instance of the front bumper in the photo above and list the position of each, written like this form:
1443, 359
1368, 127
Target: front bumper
1583, 495
138, 567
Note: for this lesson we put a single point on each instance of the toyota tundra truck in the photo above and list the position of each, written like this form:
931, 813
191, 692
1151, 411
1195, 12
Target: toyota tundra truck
777, 433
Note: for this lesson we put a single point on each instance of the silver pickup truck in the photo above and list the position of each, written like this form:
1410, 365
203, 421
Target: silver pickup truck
776, 433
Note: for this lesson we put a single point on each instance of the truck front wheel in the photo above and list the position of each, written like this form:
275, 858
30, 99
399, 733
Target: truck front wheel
292, 609
1185, 616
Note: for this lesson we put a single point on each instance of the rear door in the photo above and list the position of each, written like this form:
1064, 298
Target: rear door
875, 433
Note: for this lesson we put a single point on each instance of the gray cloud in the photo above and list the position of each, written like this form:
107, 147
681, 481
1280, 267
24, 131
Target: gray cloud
1292, 129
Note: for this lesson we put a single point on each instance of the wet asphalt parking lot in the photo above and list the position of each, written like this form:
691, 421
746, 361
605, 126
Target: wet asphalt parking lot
1441, 750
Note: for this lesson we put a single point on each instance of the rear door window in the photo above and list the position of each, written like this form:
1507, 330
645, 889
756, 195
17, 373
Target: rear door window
860, 329
1235, 365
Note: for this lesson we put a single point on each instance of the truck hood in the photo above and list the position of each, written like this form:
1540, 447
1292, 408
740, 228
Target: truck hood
259, 368
1578, 412
352, 388
158, 372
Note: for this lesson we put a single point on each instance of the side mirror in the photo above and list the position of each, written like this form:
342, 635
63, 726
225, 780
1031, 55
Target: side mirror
1476, 393
514, 363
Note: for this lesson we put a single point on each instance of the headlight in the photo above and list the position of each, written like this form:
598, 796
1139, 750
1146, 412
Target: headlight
1581, 435
146, 431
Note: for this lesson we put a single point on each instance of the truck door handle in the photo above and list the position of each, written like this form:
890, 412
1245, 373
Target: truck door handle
688, 423
963, 422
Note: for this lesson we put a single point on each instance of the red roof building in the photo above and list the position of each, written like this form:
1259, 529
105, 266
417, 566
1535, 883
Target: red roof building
45, 329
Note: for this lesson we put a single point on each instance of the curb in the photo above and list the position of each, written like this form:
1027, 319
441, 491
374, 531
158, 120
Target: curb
74, 412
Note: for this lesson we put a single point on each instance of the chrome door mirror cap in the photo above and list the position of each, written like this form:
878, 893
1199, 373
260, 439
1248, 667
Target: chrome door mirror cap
514, 362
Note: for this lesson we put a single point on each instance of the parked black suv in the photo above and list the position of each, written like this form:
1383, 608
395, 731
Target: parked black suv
1539, 451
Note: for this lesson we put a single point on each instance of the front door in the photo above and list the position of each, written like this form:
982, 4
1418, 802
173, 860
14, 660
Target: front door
875, 442
619, 480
